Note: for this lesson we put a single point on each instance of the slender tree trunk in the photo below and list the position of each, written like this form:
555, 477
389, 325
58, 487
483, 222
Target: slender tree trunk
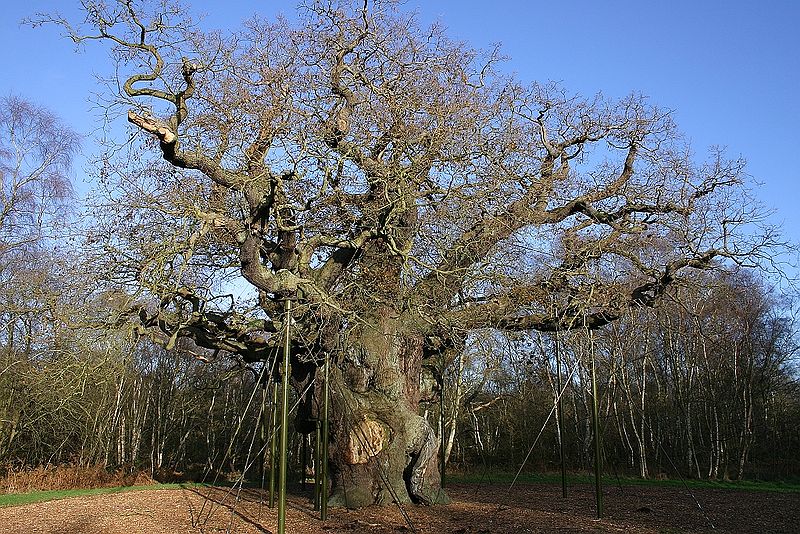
717, 447
456, 407
746, 436
114, 428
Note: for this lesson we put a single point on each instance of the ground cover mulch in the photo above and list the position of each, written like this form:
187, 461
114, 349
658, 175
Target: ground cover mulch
484, 509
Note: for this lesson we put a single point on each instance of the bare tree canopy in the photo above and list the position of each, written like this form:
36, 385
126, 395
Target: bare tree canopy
36, 152
402, 190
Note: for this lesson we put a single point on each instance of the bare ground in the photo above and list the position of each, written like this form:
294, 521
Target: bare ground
485, 509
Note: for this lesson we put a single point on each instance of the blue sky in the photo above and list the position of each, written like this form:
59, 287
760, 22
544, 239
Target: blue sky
730, 70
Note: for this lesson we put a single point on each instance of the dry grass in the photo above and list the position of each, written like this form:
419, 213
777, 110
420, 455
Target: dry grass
63, 477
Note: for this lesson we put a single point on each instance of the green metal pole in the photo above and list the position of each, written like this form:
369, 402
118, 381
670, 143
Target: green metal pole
263, 431
317, 464
560, 423
303, 461
323, 501
284, 420
598, 488
441, 431
273, 445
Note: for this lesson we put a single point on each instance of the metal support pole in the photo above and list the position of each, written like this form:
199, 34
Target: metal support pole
323, 501
263, 431
598, 488
441, 431
303, 461
560, 422
287, 307
317, 464
273, 445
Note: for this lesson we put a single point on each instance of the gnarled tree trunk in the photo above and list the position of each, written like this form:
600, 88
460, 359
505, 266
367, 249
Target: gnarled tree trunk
381, 449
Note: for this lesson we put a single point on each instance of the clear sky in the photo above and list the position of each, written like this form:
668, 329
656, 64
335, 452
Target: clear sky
730, 69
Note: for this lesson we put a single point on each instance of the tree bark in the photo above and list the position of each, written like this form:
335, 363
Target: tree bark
381, 449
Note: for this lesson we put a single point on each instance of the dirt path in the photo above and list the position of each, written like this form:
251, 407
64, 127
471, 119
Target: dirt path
489, 510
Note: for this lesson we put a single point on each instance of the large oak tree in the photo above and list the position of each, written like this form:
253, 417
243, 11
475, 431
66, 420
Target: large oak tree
401, 190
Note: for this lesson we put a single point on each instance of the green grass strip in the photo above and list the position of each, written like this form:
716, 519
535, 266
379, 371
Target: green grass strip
547, 478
